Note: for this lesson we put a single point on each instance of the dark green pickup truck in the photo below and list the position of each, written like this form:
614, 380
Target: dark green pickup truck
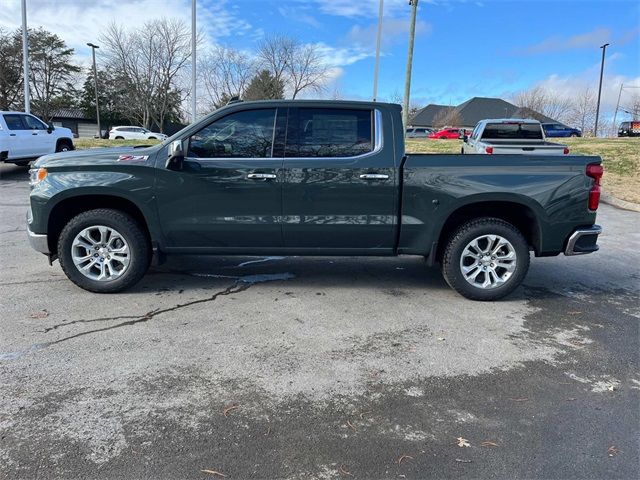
309, 178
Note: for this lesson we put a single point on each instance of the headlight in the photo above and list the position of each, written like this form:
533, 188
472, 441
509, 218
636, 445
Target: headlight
36, 175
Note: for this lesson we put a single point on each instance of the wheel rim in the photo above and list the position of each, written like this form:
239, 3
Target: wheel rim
488, 261
100, 253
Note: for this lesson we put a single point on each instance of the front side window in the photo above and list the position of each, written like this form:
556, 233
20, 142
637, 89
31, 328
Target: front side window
246, 134
330, 132
14, 122
33, 123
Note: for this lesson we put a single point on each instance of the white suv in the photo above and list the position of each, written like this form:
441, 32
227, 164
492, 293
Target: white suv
134, 133
24, 137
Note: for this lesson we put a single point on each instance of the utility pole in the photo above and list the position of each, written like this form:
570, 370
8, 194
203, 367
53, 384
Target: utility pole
595, 129
378, 39
615, 115
193, 61
25, 58
407, 76
95, 84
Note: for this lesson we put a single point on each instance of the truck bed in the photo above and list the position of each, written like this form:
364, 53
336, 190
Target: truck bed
552, 189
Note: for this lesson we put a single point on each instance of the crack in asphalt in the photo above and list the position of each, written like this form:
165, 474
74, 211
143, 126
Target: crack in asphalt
241, 284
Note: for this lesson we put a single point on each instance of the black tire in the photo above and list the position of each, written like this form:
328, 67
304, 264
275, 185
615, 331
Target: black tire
451, 268
152, 138
119, 138
64, 146
573, 135
128, 228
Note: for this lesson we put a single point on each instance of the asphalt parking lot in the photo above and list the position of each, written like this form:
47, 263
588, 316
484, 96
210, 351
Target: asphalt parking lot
317, 368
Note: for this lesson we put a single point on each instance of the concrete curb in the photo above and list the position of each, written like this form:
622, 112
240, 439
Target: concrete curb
616, 202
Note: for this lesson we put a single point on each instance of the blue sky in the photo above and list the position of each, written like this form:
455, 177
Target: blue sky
463, 48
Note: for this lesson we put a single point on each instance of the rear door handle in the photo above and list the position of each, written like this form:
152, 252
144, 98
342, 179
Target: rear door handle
34, 133
261, 176
374, 176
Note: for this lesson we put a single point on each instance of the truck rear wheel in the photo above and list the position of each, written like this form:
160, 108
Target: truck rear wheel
104, 251
485, 259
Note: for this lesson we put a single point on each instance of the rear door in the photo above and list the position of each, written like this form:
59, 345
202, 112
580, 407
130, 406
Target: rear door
340, 183
228, 196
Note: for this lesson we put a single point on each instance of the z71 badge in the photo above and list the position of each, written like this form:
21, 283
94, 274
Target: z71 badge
132, 158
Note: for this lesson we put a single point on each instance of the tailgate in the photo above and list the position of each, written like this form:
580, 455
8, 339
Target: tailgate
530, 149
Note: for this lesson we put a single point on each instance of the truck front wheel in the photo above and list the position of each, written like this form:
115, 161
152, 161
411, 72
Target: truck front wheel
485, 259
104, 251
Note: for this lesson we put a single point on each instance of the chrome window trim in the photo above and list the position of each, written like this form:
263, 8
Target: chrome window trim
378, 144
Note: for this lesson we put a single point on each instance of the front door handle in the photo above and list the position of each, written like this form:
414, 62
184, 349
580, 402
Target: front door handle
261, 176
34, 133
374, 176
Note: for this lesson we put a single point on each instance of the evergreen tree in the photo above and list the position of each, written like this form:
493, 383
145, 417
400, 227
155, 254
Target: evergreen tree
264, 86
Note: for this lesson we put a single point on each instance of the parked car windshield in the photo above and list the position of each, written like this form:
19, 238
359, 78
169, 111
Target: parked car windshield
525, 131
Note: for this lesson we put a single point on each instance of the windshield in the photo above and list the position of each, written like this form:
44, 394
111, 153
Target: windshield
523, 131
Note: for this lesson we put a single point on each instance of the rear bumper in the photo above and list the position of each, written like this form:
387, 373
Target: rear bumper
39, 242
583, 241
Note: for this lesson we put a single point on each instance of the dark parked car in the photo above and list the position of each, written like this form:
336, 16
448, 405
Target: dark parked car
629, 129
309, 178
560, 130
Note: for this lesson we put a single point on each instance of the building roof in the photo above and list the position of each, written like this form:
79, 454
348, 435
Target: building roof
476, 109
425, 116
74, 113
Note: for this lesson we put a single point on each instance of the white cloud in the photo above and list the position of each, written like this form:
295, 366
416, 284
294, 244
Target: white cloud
393, 30
592, 39
81, 21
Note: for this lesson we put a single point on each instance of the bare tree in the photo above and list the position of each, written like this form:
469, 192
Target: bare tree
447, 117
583, 113
273, 54
305, 69
300, 66
225, 72
541, 100
149, 60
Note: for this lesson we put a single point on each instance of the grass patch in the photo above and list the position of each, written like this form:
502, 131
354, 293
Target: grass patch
620, 156
82, 143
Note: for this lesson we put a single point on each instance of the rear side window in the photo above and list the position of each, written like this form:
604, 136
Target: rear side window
14, 122
523, 131
329, 132
245, 134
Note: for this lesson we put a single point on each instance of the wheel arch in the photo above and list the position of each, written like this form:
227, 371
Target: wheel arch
521, 215
69, 207
64, 140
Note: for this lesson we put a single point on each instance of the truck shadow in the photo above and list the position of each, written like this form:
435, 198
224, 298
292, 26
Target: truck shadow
393, 273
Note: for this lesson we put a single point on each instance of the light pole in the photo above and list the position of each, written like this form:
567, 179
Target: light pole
193, 60
25, 58
595, 128
407, 76
95, 84
378, 39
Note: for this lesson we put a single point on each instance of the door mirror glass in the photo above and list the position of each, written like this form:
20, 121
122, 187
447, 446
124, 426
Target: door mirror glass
175, 155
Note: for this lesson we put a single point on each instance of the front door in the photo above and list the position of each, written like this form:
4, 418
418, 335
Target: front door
41, 139
340, 184
228, 195
18, 136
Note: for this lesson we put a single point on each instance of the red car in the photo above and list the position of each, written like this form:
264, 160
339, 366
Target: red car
446, 134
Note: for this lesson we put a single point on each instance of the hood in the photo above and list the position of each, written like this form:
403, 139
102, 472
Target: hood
96, 156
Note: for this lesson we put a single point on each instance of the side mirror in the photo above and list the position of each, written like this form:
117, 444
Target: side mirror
50, 127
175, 156
465, 139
